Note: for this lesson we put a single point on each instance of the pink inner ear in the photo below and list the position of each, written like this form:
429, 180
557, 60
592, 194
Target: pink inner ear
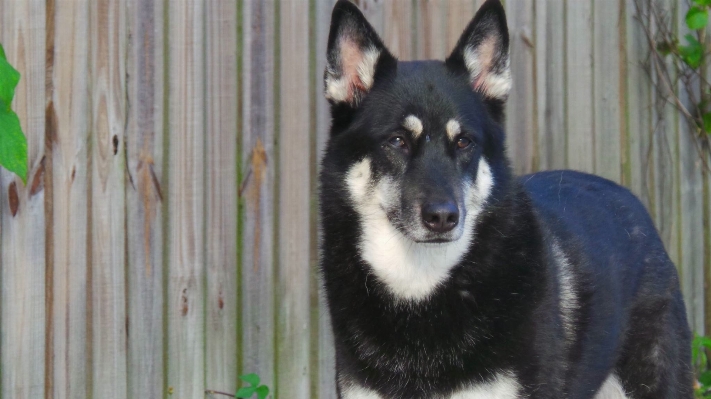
480, 83
351, 59
481, 65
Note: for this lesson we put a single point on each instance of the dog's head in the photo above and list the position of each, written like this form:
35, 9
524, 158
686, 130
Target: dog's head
418, 145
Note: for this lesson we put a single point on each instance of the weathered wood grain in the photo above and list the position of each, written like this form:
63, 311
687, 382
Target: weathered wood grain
186, 200
690, 211
664, 164
257, 186
667, 165
373, 11
430, 35
691, 229
293, 299
608, 94
221, 201
326, 352
144, 198
579, 84
459, 13
520, 108
107, 166
637, 162
69, 138
550, 85
22, 222
398, 33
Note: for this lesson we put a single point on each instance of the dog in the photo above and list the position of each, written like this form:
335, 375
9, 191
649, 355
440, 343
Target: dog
448, 277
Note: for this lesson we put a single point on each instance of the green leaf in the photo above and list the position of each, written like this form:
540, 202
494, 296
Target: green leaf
262, 391
705, 378
246, 392
700, 340
9, 77
13, 144
692, 54
707, 122
702, 3
697, 18
252, 379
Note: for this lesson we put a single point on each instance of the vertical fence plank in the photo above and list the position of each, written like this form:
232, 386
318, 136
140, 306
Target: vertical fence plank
665, 163
326, 351
68, 132
144, 199
690, 211
22, 219
459, 13
221, 201
691, 229
397, 28
608, 101
294, 206
638, 174
186, 169
373, 11
550, 85
257, 190
578, 80
520, 107
107, 198
69, 173
430, 34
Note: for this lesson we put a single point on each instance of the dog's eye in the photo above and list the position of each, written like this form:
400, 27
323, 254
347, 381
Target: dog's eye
398, 142
463, 143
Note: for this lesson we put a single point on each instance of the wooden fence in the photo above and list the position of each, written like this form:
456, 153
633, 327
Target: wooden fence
166, 239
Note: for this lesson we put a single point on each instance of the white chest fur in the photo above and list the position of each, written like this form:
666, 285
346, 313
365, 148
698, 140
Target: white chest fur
410, 270
503, 386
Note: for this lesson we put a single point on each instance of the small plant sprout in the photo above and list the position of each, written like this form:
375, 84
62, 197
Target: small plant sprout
254, 387
699, 356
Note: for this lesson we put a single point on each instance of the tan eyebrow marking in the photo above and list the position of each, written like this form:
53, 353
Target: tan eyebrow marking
453, 129
413, 124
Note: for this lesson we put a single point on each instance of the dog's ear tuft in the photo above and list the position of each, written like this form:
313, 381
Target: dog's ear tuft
483, 51
354, 53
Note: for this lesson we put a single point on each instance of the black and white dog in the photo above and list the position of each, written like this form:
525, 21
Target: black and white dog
448, 277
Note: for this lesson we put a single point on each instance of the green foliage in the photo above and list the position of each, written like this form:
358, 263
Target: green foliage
693, 53
707, 122
254, 387
13, 144
699, 355
681, 65
697, 17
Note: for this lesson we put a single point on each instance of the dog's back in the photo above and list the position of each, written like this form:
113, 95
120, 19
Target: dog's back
629, 314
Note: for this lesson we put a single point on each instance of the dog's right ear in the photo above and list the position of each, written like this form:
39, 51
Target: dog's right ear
355, 55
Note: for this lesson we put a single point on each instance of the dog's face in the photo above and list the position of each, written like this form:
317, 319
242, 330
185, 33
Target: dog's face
419, 144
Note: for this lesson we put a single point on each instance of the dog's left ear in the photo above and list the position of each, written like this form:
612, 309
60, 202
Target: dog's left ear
483, 52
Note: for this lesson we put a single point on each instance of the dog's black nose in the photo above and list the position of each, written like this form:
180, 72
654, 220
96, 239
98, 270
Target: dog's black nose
440, 217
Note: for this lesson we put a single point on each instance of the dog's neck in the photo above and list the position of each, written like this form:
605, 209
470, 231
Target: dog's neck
485, 292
